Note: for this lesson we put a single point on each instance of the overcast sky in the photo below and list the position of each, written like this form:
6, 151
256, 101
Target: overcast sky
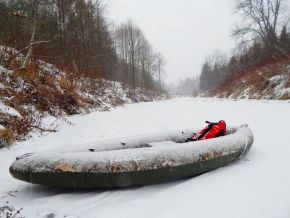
184, 31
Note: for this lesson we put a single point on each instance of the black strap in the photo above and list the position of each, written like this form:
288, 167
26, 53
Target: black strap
212, 123
190, 140
208, 128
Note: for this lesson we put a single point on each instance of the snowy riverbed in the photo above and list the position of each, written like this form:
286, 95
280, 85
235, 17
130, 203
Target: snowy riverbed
257, 188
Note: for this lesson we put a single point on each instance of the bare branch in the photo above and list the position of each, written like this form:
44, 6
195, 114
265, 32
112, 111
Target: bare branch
42, 129
260, 19
27, 47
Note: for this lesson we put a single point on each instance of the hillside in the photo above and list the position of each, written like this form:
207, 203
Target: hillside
41, 91
269, 81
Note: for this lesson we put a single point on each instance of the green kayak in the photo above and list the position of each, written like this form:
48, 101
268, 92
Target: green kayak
134, 161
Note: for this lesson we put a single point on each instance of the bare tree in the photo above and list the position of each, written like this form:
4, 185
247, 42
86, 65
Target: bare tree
160, 69
139, 63
260, 20
33, 19
34, 12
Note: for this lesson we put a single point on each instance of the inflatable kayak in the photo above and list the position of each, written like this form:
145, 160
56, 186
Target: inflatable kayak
134, 161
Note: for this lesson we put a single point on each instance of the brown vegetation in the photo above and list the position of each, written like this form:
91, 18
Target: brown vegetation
75, 37
257, 81
36, 92
263, 52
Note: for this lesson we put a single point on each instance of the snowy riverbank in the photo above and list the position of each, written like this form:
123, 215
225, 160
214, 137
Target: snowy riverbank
256, 188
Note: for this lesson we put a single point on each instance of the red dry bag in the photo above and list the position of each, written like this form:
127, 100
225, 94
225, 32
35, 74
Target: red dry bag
213, 130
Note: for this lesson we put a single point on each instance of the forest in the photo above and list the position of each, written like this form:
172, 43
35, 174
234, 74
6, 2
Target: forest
75, 35
63, 57
263, 37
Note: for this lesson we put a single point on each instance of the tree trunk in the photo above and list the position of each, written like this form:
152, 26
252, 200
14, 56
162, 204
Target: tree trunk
34, 9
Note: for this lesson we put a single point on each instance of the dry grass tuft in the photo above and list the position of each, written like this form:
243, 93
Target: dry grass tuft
8, 136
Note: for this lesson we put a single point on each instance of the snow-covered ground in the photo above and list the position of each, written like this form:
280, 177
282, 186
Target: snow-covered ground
258, 188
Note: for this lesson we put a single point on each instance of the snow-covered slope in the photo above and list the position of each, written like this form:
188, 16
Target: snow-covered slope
41, 90
271, 81
257, 187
